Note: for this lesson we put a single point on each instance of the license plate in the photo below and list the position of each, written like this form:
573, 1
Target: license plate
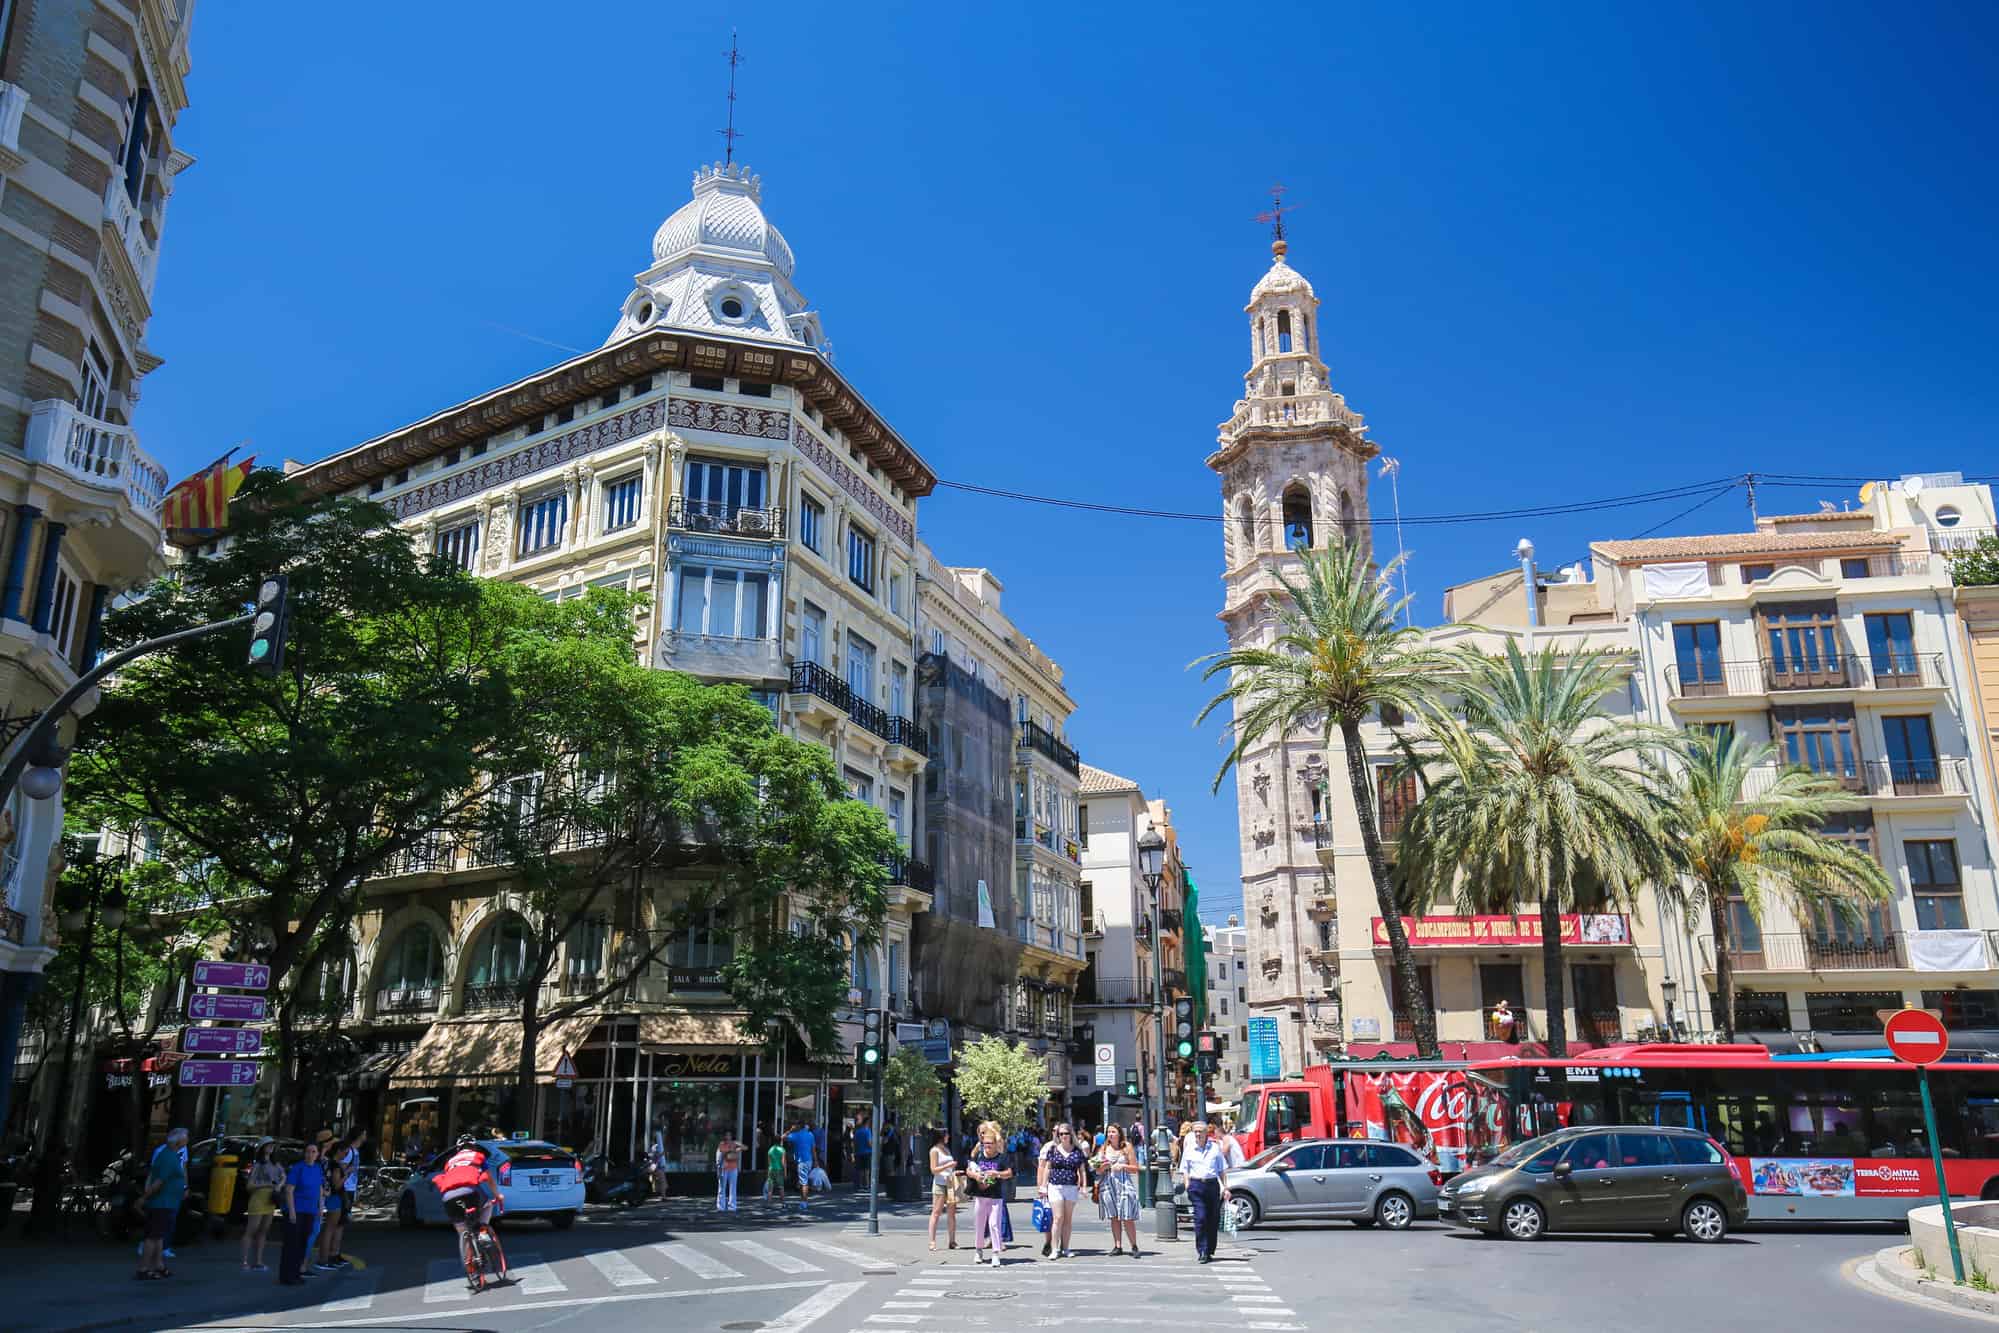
547, 1180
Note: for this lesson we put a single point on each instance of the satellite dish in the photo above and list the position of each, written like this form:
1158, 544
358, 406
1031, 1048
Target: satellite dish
1867, 491
1910, 487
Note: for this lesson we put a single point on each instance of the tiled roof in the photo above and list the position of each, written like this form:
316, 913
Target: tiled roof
1823, 516
1097, 781
1744, 543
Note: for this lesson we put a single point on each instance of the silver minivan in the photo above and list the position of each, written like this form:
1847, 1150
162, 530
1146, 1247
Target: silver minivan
1361, 1180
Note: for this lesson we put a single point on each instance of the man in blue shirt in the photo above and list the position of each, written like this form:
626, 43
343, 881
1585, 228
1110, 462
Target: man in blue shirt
804, 1155
166, 1186
864, 1151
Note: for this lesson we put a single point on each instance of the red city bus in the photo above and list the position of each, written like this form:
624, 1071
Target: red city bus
1834, 1139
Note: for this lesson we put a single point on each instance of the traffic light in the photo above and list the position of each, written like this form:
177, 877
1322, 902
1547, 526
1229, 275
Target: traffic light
1207, 1053
1131, 1083
872, 1053
1183, 1027
267, 631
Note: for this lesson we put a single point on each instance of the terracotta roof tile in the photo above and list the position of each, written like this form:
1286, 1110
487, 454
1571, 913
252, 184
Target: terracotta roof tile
1097, 781
1744, 543
1823, 516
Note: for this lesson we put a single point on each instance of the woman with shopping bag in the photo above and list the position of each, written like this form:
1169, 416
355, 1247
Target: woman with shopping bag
988, 1172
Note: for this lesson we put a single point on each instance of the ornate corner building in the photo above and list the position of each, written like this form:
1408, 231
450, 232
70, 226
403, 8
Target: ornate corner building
89, 96
1292, 460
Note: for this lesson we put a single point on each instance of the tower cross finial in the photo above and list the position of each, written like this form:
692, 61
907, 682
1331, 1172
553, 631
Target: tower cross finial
1275, 217
731, 134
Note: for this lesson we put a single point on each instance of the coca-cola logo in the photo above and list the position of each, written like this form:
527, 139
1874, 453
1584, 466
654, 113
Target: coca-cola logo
1443, 1103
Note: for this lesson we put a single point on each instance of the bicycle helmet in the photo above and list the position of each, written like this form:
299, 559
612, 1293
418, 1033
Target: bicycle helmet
467, 1141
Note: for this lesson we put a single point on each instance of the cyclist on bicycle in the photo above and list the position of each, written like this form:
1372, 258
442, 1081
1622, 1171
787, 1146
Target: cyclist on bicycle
467, 1188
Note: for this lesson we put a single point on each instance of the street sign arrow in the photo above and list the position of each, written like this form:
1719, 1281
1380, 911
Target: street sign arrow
222, 1041
240, 1007
241, 976
218, 1073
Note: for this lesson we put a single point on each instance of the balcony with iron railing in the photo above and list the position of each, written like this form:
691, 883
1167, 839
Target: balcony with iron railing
1958, 538
903, 731
1114, 992
909, 872
1034, 737
1885, 778
809, 678
425, 857
1753, 678
1853, 950
720, 519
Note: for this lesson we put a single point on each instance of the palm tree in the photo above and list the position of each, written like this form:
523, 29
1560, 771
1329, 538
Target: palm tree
1532, 798
1337, 656
1729, 843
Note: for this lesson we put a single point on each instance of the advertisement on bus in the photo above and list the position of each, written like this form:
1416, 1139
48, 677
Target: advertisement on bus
1439, 1113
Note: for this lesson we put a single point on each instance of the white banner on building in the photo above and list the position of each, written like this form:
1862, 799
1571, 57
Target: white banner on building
986, 921
1947, 950
1679, 580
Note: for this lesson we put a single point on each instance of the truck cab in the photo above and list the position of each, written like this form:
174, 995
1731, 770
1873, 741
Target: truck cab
1288, 1110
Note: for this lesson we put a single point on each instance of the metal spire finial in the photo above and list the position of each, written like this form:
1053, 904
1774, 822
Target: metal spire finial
731, 134
1275, 217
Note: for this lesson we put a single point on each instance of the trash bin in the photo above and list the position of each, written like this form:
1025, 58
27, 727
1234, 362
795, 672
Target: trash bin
222, 1185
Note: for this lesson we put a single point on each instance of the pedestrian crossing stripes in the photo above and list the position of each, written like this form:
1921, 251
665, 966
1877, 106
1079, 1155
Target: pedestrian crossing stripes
445, 1281
778, 1259
369, 1282
695, 1261
534, 1277
618, 1270
832, 1251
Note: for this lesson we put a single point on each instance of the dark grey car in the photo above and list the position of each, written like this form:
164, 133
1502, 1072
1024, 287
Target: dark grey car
1358, 1179
1603, 1178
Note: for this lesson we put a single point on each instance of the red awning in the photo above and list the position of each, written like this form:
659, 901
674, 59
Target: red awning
152, 1064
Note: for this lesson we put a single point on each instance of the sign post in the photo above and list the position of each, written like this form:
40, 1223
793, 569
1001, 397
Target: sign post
1917, 1037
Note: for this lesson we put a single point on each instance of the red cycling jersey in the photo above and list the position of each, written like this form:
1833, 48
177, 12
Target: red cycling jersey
465, 1170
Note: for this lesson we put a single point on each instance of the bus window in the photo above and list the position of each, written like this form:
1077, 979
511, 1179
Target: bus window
1981, 1128
1286, 1116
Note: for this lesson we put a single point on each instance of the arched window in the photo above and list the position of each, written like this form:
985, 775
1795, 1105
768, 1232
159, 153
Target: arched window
1283, 331
1245, 528
412, 971
1297, 517
499, 956
1349, 525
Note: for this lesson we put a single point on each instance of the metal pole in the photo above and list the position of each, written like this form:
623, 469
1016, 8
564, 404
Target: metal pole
875, 1155
1165, 1221
1936, 1159
55, 1134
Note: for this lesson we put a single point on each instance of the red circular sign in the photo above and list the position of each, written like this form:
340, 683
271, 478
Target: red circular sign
1917, 1036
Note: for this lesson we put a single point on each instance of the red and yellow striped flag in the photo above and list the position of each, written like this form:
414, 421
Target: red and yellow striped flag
201, 503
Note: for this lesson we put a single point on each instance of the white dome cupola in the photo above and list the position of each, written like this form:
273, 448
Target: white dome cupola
719, 265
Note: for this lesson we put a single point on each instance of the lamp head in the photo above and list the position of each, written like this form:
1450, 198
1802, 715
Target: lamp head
1151, 855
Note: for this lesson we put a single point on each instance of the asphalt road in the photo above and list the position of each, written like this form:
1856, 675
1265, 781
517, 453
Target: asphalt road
756, 1273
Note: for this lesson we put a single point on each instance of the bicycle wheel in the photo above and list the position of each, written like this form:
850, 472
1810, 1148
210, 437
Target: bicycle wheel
495, 1258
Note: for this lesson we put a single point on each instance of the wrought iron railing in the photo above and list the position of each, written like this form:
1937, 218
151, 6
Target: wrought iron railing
1600, 1027
909, 871
904, 732
492, 995
725, 520
1034, 736
1858, 950
412, 1000
1892, 670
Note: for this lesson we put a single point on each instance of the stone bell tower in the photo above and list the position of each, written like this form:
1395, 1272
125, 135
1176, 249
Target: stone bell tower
1293, 467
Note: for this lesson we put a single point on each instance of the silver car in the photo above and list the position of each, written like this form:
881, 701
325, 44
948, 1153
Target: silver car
1358, 1179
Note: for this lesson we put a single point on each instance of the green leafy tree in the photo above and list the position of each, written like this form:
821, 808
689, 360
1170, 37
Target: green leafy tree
1742, 828
632, 776
391, 715
1338, 656
1000, 1081
911, 1090
1979, 564
1534, 797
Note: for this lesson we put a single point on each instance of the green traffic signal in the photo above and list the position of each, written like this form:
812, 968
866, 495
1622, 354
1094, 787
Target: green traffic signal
1186, 1048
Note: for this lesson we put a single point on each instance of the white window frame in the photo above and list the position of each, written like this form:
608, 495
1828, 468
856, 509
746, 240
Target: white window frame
714, 577
811, 523
534, 517
634, 482
812, 635
459, 544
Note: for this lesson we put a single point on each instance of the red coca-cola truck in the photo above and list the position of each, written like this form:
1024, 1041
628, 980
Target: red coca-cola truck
1437, 1107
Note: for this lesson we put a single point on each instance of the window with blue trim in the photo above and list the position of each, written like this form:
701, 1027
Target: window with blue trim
543, 522
621, 502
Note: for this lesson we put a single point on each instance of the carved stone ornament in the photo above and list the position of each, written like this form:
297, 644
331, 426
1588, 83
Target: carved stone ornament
1259, 782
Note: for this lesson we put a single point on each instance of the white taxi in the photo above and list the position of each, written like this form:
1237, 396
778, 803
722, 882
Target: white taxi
536, 1179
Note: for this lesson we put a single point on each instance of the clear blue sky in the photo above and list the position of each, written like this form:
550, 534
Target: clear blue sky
1566, 252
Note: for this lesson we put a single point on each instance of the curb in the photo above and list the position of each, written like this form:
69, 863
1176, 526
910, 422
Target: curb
1889, 1273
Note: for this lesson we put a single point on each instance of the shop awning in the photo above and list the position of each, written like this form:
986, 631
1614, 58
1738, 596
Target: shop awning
696, 1029
372, 1072
486, 1051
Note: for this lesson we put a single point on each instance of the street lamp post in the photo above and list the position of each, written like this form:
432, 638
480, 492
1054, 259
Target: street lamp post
1152, 868
1669, 989
98, 896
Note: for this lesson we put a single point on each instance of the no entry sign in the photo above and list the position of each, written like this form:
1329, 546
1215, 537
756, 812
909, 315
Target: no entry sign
1917, 1036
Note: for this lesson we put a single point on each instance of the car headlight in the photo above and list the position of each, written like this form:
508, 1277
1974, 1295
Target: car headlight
1471, 1187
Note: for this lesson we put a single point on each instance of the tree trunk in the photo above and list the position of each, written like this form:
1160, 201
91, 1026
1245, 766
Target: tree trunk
1724, 965
1408, 986
281, 1094
1551, 974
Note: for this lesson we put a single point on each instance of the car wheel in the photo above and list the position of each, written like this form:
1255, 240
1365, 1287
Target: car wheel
563, 1220
1705, 1221
1395, 1211
1523, 1219
406, 1212
1243, 1210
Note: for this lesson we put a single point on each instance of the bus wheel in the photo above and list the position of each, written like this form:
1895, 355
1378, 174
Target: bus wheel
1991, 1190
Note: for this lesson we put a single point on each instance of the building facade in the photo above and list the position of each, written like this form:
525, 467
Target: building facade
89, 98
711, 460
1002, 945
1228, 1007
1127, 964
1836, 637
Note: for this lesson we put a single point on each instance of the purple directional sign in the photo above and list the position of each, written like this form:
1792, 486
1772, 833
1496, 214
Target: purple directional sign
241, 1007
222, 1041
218, 1073
242, 976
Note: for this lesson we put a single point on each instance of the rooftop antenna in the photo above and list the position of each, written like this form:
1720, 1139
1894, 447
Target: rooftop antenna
730, 135
1275, 217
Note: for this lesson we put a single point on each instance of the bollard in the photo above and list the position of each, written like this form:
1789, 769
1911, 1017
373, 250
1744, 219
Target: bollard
1165, 1214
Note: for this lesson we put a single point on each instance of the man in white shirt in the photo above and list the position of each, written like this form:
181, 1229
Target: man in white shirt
1205, 1164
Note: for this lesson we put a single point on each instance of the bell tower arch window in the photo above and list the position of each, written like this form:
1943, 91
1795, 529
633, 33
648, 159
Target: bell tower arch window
1349, 525
1245, 528
1283, 331
1297, 517
1259, 337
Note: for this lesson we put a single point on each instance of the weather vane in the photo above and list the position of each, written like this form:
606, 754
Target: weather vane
731, 134
1275, 217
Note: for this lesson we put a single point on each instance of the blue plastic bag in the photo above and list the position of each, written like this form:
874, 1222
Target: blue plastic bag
1044, 1216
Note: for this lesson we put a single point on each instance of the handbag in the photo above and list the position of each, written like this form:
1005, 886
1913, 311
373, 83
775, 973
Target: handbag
1044, 1216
